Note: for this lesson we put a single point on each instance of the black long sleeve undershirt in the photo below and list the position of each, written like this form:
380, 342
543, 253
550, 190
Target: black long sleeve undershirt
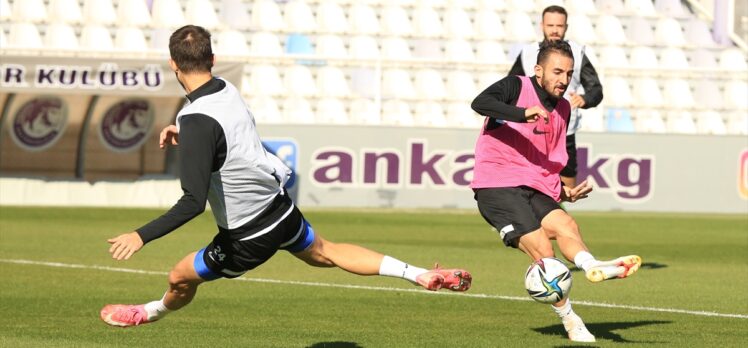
500, 99
593, 89
202, 150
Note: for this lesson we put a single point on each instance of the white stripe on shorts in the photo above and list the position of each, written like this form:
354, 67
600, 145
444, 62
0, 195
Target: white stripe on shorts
271, 227
296, 237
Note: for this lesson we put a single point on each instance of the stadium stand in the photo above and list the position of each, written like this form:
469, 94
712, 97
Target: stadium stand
374, 61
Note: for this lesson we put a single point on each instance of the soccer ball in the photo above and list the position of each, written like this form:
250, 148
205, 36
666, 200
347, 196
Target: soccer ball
548, 280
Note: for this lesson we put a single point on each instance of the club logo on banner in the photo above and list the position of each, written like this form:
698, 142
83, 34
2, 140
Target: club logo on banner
39, 123
126, 125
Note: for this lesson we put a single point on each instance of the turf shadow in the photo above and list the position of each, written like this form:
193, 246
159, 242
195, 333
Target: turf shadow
604, 331
336, 344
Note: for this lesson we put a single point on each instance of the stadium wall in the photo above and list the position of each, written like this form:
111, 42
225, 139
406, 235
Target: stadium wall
410, 167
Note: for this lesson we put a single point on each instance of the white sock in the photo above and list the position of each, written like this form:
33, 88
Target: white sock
156, 309
392, 267
585, 260
564, 310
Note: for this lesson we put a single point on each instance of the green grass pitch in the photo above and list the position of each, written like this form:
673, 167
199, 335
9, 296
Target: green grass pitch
692, 290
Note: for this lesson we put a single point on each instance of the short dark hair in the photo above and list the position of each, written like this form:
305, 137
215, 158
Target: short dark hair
554, 9
190, 49
550, 46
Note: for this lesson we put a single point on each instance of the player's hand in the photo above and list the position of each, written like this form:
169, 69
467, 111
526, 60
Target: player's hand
535, 113
576, 100
572, 195
169, 135
124, 245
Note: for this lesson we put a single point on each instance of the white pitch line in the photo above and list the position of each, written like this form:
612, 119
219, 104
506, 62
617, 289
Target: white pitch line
379, 288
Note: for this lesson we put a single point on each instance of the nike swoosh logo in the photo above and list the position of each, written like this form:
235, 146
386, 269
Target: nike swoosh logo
536, 131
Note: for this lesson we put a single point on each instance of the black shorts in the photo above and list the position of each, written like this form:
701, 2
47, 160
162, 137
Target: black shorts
571, 166
234, 252
514, 211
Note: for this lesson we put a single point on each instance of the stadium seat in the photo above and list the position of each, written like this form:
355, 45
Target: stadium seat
461, 86
585, 7
430, 85
647, 92
466, 4
130, 39
592, 120
395, 22
265, 44
365, 82
364, 47
429, 114
698, 34
133, 13
488, 25
710, 122
396, 113
492, 5
363, 20
680, 122
202, 13
613, 57
542, 4
617, 91
331, 111
462, 116
524, 6
266, 16
297, 110
488, 78
639, 31
670, 8
3, 40
580, 29
60, 36
611, 7
736, 95
5, 10
332, 46
264, 80
234, 15
96, 37
702, 58
298, 81
29, 11
364, 111
396, 83
331, 18
395, 48
677, 93
643, 57
64, 11
641, 8
160, 40
610, 30
669, 33
649, 121
331, 82
673, 58
519, 27
733, 59
98, 12
231, 42
737, 123
298, 17
490, 52
457, 24
707, 94
299, 44
459, 50
426, 23
427, 49
167, 14
619, 120
265, 110
24, 35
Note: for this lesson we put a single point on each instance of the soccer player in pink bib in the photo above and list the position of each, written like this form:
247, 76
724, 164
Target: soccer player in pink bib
518, 158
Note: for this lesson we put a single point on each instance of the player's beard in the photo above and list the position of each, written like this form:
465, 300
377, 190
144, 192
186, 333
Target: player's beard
549, 87
180, 81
